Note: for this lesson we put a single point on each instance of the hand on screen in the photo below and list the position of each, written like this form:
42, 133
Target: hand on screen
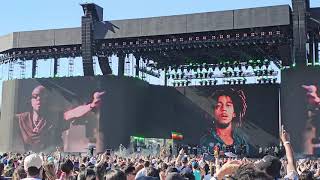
312, 94
96, 102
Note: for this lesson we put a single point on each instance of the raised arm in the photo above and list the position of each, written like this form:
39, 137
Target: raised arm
285, 138
82, 110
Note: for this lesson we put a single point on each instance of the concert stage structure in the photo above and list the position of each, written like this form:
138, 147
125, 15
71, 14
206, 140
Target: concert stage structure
279, 33
278, 36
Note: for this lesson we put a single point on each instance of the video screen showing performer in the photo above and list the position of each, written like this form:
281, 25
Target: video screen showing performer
74, 112
300, 108
46, 122
229, 108
239, 118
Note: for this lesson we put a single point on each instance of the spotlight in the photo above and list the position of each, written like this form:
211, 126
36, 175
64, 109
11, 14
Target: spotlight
264, 80
274, 80
271, 72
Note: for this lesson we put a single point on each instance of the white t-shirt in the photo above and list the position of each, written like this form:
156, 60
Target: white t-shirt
207, 177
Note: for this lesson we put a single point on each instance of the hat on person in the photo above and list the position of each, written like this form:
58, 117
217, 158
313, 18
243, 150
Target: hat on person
33, 160
50, 160
195, 164
270, 164
174, 176
93, 160
184, 159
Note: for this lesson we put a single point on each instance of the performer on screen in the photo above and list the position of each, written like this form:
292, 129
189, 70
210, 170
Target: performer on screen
229, 108
41, 128
311, 132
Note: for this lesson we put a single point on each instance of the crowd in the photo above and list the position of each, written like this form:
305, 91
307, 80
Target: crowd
32, 166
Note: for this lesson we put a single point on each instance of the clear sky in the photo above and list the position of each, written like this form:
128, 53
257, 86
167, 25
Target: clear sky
24, 15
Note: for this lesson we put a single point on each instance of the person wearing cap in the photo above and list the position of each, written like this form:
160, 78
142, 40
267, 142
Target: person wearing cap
174, 176
195, 170
228, 110
184, 169
33, 166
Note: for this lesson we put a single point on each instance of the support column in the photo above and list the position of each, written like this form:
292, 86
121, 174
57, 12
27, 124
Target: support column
299, 19
55, 67
121, 64
165, 77
104, 65
137, 66
316, 48
92, 14
34, 68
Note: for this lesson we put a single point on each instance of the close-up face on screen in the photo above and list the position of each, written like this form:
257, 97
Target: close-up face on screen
236, 116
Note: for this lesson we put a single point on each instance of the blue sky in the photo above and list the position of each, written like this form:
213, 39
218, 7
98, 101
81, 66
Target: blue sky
24, 15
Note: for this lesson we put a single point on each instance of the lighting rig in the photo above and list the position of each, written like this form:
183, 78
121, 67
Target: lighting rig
230, 73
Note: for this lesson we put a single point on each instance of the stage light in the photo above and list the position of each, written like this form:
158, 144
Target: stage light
201, 83
274, 80
264, 80
174, 84
271, 72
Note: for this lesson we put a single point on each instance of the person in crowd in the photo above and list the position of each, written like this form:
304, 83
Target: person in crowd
33, 166
196, 171
1, 170
116, 174
143, 171
229, 108
39, 128
19, 173
49, 171
130, 172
